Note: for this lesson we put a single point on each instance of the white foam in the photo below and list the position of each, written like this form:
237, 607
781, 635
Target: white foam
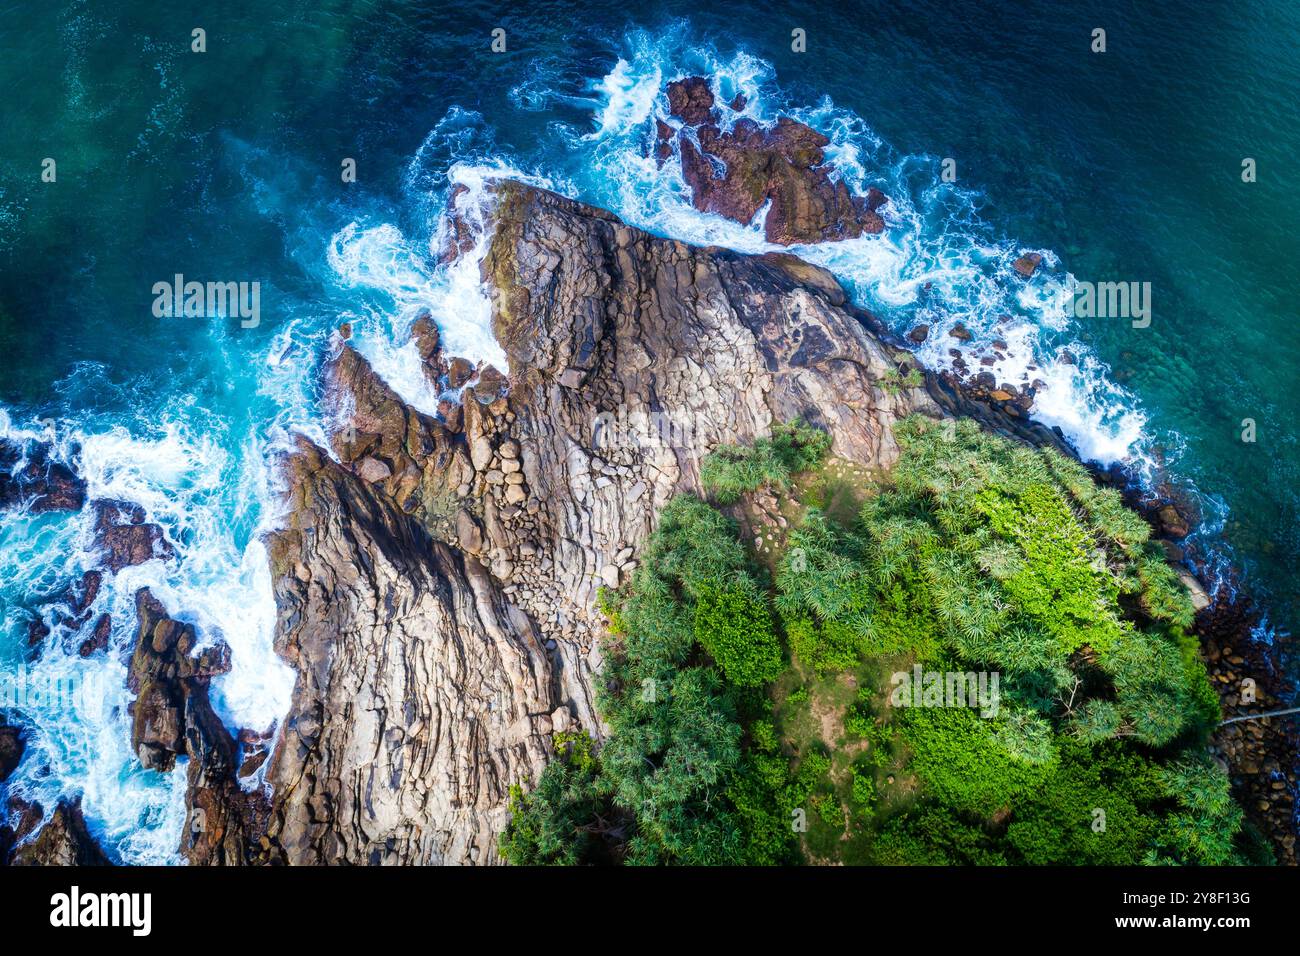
937, 262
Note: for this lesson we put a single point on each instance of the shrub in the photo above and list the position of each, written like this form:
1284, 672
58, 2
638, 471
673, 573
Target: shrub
957, 756
1060, 823
734, 626
731, 470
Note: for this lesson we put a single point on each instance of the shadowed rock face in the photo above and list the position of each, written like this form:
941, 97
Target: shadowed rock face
422, 691
28, 475
62, 841
12, 745
737, 172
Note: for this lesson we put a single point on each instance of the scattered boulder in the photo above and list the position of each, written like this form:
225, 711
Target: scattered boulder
1028, 264
490, 386
428, 343
27, 474
459, 371
691, 101
919, 334
125, 538
960, 332
460, 236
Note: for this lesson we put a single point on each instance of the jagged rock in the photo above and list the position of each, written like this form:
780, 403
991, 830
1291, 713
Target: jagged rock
459, 236
12, 744
784, 165
1028, 264
83, 595
164, 675
123, 536
99, 636
691, 101
428, 343
490, 386
919, 334
459, 371
663, 141
417, 679
28, 475
63, 841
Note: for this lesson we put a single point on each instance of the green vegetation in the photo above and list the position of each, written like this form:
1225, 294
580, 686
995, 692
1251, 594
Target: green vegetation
756, 721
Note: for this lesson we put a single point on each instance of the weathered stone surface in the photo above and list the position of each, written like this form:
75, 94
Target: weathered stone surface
736, 172
123, 536
691, 101
418, 685
29, 475
12, 744
63, 841
164, 674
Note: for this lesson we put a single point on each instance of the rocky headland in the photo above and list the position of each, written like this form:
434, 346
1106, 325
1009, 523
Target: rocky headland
436, 577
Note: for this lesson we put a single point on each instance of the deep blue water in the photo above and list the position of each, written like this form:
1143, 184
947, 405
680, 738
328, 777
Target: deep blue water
225, 165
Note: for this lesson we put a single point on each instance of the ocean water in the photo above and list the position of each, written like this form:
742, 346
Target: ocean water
225, 166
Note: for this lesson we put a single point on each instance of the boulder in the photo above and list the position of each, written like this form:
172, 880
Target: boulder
735, 173
28, 475
125, 538
691, 101
1028, 264
163, 674
12, 745
65, 840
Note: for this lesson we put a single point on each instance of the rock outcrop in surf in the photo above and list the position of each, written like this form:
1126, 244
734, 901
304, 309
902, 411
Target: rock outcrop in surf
738, 171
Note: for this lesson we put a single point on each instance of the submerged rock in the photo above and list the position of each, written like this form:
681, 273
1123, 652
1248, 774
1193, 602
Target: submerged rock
1028, 264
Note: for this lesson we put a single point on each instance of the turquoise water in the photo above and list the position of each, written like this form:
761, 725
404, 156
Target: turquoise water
225, 166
